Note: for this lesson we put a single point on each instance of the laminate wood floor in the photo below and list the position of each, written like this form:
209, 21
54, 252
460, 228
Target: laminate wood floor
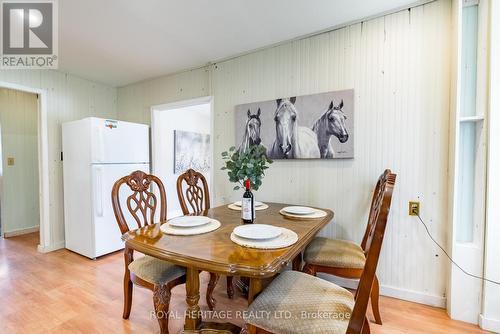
63, 292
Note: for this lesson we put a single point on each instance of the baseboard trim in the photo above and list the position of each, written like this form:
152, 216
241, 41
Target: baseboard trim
21, 231
414, 296
51, 248
489, 324
394, 292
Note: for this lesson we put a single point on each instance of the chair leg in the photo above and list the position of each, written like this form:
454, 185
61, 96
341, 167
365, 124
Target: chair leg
375, 298
128, 287
230, 288
161, 301
366, 327
214, 278
309, 269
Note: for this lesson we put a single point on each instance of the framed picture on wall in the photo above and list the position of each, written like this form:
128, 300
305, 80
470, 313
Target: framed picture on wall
318, 126
191, 150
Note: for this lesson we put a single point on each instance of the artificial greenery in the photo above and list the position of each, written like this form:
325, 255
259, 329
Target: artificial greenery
250, 164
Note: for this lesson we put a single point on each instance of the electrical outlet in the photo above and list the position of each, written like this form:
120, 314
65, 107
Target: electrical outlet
414, 208
10, 161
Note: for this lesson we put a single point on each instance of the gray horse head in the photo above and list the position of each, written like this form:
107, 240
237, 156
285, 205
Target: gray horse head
336, 122
253, 127
285, 118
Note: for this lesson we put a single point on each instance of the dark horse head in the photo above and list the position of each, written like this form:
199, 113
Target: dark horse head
253, 128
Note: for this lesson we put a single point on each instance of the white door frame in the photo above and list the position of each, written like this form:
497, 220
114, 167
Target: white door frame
43, 162
183, 104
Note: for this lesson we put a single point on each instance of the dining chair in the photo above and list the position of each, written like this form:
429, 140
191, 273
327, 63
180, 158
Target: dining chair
296, 302
149, 272
194, 198
343, 258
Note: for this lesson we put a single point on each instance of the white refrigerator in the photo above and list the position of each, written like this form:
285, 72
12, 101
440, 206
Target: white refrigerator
96, 153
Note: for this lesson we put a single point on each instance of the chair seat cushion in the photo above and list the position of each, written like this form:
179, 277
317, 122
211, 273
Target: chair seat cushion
335, 253
299, 303
155, 271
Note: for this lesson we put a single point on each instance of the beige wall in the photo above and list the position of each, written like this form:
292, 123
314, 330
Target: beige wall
68, 98
19, 193
399, 68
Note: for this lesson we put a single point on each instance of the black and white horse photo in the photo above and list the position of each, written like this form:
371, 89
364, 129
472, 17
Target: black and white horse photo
318, 126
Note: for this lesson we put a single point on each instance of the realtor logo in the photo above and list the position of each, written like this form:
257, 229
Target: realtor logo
29, 34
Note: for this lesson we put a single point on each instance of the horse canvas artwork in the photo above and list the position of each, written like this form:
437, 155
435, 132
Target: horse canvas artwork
318, 126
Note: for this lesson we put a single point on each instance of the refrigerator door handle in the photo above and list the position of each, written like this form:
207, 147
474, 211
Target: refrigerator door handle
98, 192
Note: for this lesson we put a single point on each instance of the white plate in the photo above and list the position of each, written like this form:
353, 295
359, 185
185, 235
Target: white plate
238, 203
257, 231
299, 210
189, 221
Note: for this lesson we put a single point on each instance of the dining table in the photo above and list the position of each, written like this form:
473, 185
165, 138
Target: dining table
215, 252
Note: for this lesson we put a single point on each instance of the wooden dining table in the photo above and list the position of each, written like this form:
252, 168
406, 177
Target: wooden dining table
216, 253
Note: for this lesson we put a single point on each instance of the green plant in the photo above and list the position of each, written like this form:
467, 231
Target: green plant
250, 164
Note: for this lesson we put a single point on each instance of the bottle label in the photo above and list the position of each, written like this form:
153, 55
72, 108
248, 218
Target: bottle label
246, 208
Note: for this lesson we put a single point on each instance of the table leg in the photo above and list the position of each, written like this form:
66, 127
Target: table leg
297, 262
193, 317
254, 289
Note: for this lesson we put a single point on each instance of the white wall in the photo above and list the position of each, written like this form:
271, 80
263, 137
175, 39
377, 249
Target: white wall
194, 118
69, 98
399, 68
135, 100
18, 119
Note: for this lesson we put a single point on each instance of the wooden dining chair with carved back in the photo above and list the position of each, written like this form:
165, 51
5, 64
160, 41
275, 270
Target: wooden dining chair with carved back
149, 272
194, 198
296, 302
344, 258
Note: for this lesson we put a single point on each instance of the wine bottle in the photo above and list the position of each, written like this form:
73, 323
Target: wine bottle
247, 205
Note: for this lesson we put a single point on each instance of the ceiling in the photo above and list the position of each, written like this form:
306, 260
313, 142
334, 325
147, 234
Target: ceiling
119, 42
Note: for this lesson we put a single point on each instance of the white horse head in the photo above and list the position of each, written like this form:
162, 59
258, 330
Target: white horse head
336, 122
330, 123
292, 141
285, 118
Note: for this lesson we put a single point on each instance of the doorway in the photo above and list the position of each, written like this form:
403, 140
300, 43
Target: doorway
182, 138
19, 179
45, 241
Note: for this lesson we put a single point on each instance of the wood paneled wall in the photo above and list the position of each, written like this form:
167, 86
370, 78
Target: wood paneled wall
69, 98
399, 66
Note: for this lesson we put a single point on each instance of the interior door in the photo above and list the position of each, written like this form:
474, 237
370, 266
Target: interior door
107, 234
